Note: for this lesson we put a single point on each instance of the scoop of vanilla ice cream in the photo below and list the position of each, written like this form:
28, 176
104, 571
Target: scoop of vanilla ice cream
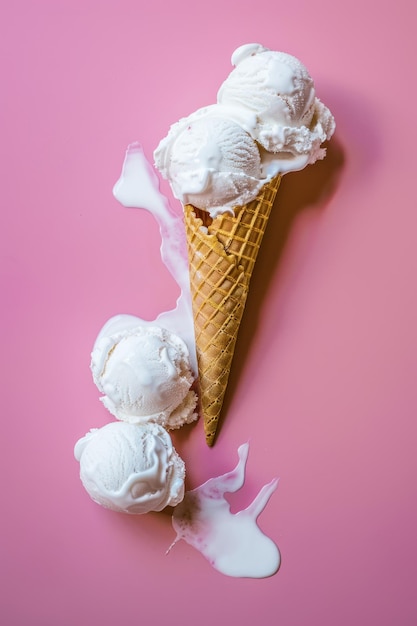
274, 86
131, 468
145, 376
210, 161
274, 98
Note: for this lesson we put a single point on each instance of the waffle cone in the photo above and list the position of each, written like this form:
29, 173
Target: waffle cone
222, 254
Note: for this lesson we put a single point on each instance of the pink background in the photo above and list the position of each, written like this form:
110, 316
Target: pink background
324, 384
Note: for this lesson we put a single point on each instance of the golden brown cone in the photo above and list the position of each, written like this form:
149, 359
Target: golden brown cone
222, 254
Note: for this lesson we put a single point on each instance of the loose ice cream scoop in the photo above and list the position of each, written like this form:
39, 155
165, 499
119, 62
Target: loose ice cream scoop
131, 468
145, 376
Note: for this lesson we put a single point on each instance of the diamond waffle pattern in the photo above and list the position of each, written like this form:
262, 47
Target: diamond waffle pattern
222, 256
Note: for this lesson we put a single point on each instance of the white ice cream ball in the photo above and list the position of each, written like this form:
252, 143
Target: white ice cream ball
273, 87
214, 162
131, 468
145, 375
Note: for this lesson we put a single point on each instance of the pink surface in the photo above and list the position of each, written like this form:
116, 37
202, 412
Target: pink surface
324, 384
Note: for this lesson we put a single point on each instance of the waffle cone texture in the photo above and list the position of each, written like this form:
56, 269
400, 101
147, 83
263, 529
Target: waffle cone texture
222, 254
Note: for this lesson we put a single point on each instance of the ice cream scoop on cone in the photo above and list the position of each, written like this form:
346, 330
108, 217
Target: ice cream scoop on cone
225, 162
222, 256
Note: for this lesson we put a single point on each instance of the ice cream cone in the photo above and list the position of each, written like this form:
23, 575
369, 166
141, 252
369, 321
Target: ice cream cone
222, 254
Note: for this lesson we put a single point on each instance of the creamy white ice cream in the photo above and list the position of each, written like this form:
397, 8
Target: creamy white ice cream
214, 161
145, 375
210, 161
277, 103
267, 121
131, 468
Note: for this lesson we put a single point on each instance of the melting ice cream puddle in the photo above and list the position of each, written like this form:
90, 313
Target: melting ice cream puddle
232, 542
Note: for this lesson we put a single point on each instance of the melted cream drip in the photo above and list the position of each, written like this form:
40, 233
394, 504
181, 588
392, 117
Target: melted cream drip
232, 542
138, 187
